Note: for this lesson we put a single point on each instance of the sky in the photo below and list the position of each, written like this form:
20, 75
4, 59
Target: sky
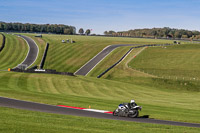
102, 15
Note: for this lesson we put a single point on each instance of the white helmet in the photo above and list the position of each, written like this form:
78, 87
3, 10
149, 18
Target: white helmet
132, 101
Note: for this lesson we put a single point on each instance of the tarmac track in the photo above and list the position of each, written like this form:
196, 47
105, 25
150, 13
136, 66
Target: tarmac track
13, 103
85, 69
33, 51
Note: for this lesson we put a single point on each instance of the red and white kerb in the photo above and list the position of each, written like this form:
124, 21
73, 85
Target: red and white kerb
93, 110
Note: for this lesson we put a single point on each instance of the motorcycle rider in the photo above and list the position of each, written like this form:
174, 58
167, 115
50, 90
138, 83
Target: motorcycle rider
130, 105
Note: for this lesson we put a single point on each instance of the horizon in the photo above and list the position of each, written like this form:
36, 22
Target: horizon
105, 15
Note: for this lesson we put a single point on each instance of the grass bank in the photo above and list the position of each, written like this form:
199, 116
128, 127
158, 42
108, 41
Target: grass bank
14, 52
179, 62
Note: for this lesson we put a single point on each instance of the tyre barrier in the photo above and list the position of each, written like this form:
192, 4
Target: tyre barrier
44, 56
149, 45
3, 42
47, 71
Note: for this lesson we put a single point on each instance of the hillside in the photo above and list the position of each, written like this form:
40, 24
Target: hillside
70, 57
177, 62
158, 96
14, 52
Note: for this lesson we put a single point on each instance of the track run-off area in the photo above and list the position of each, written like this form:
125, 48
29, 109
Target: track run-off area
13, 103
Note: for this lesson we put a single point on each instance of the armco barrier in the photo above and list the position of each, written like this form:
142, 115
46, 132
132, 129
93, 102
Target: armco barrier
48, 71
3, 42
44, 56
150, 45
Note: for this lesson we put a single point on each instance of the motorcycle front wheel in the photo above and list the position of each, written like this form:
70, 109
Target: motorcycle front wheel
134, 114
115, 113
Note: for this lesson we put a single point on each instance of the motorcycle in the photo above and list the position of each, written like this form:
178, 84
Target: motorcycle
125, 110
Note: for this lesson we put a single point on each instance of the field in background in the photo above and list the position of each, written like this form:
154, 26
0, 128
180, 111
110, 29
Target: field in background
70, 57
14, 52
179, 62
15, 120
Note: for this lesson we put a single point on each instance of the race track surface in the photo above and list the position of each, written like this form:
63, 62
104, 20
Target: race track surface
33, 51
13, 103
85, 69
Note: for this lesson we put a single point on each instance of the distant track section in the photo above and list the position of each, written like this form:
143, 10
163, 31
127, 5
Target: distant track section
32, 53
85, 69
13, 103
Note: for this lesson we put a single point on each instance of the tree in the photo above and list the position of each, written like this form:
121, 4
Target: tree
111, 32
68, 31
87, 32
81, 31
105, 32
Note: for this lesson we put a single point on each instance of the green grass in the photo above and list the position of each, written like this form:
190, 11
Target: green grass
70, 57
14, 52
22, 121
166, 99
101, 94
111, 59
181, 61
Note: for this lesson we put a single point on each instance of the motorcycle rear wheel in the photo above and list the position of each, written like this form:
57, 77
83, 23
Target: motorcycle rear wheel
135, 114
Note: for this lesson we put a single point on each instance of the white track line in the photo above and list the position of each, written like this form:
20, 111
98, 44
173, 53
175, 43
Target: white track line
99, 62
92, 59
28, 51
37, 51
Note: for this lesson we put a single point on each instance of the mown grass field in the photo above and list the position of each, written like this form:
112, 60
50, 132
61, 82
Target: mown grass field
14, 52
101, 94
70, 57
180, 61
161, 98
22, 121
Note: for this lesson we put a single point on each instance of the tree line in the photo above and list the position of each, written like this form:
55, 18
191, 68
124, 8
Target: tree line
46, 28
165, 32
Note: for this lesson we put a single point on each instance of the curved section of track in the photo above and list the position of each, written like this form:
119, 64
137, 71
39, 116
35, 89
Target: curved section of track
32, 53
85, 69
13, 103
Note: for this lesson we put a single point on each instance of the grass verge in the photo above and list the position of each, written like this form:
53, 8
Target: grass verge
101, 94
15, 120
